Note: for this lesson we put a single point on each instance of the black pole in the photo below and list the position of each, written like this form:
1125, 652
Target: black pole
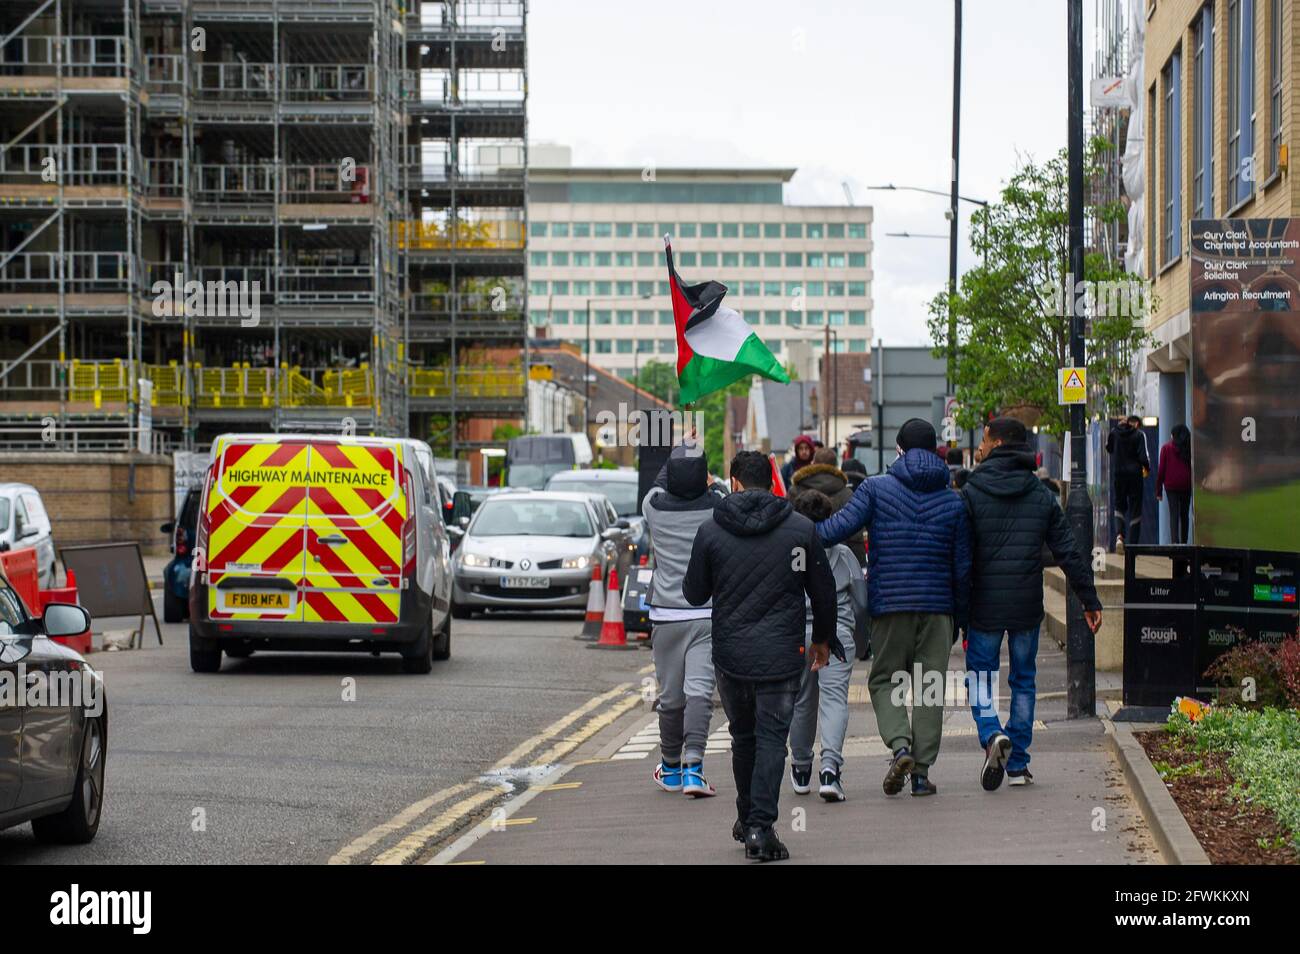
954, 199
1081, 685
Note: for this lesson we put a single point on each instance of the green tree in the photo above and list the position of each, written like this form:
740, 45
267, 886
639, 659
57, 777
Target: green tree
1012, 332
660, 379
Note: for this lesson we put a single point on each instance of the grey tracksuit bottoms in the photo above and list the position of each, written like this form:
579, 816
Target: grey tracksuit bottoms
823, 698
683, 655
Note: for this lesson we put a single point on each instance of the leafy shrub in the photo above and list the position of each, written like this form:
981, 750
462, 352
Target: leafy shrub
1273, 671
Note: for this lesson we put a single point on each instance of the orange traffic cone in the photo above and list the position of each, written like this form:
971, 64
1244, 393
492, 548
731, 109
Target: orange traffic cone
595, 606
612, 633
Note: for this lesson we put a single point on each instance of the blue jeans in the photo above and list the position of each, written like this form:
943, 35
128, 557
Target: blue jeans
983, 649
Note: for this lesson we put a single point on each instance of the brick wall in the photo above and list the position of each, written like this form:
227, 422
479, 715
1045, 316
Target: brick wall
1170, 28
89, 496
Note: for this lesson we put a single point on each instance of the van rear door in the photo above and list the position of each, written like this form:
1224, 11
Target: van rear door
257, 528
356, 518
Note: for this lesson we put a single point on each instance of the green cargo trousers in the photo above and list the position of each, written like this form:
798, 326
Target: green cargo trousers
900, 641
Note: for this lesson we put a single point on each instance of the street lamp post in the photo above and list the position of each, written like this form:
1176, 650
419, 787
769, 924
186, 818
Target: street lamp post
1081, 672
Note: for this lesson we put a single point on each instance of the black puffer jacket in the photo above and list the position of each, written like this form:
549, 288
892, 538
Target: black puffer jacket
1013, 514
756, 559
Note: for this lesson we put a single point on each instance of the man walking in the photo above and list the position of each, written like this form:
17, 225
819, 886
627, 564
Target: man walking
918, 576
683, 647
801, 454
756, 560
1014, 515
1130, 464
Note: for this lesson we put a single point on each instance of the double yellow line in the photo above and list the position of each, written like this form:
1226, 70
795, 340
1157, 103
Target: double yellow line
559, 738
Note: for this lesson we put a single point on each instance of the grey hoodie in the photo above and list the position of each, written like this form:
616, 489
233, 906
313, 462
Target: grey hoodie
673, 513
843, 565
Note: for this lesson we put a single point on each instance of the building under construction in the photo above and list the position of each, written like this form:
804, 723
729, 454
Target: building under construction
260, 214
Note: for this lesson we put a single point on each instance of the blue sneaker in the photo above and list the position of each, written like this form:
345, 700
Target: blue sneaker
668, 777
694, 783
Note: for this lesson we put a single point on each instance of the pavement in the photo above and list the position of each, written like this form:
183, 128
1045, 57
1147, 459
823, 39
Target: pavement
607, 809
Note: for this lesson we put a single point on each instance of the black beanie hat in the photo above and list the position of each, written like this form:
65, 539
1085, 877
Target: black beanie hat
917, 433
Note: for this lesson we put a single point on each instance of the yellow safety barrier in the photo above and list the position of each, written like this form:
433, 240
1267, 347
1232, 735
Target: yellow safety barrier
470, 382
168, 385
100, 382
503, 234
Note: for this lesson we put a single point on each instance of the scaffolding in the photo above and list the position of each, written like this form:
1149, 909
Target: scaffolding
260, 214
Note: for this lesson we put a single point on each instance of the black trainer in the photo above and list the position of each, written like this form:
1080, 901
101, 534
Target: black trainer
899, 768
831, 788
738, 831
800, 778
761, 844
996, 754
921, 785
1020, 777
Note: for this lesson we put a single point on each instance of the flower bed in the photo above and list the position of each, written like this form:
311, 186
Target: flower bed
1235, 775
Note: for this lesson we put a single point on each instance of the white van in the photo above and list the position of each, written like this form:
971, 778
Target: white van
25, 525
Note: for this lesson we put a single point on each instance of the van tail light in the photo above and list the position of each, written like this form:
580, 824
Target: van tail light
198, 570
408, 533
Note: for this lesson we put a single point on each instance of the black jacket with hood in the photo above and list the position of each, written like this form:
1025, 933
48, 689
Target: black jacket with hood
1012, 515
756, 559
1127, 446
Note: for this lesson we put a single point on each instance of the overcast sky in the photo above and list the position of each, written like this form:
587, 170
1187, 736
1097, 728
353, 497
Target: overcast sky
857, 92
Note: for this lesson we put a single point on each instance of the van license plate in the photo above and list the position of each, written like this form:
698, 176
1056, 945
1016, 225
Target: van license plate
525, 582
261, 600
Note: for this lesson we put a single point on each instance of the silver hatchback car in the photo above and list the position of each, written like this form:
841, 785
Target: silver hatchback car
530, 550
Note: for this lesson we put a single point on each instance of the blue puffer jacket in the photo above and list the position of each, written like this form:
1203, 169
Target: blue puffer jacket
919, 541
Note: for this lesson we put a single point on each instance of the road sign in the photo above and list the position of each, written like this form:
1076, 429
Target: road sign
1071, 387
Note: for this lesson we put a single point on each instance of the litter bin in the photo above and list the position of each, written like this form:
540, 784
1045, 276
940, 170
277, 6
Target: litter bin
1222, 592
1274, 613
1159, 624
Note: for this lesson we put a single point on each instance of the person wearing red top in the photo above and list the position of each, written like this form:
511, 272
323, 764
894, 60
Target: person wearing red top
1174, 477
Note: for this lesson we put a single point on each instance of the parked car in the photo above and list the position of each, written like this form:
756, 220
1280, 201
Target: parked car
52, 755
532, 550
184, 530
320, 542
24, 524
621, 487
463, 504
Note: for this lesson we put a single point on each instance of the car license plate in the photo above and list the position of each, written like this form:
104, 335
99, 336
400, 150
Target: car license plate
259, 600
525, 582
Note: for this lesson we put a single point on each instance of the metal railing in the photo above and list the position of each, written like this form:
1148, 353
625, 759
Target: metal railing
164, 73
482, 89
313, 81
244, 81
506, 304
336, 283
81, 271
325, 183
164, 178
73, 164
234, 183
81, 56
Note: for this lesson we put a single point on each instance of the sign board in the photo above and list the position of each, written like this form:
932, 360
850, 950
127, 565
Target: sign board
111, 581
189, 468
1071, 386
1108, 91
144, 433
1245, 419
907, 383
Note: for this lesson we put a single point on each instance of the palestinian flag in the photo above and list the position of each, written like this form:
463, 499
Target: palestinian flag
715, 345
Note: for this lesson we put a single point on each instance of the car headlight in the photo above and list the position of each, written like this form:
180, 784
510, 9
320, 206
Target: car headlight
475, 559
576, 563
